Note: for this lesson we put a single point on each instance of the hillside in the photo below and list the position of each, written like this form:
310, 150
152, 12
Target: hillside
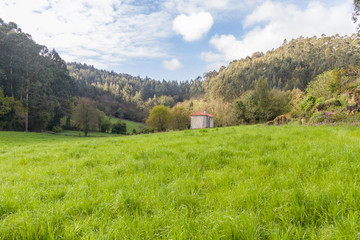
249, 182
39, 91
134, 95
290, 66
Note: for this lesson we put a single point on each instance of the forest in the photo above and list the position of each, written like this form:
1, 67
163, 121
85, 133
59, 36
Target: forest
40, 91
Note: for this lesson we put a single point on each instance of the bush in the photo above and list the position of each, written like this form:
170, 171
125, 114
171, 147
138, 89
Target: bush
318, 117
308, 103
338, 116
57, 129
104, 123
119, 128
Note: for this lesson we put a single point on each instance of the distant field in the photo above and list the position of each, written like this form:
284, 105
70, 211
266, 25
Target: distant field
250, 182
130, 125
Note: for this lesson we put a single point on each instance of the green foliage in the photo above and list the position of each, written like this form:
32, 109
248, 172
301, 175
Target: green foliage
308, 103
330, 96
295, 96
197, 88
318, 117
261, 105
104, 122
86, 116
166, 101
249, 182
12, 113
290, 66
339, 115
320, 86
119, 128
328, 84
130, 125
134, 96
241, 112
57, 129
180, 118
5, 104
160, 118
34, 75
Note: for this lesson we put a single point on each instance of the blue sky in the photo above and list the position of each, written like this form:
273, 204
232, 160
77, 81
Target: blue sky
172, 39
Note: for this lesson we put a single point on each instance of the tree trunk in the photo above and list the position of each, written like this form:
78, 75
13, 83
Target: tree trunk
27, 109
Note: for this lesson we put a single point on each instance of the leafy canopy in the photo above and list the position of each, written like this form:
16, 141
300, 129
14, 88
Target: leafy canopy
160, 118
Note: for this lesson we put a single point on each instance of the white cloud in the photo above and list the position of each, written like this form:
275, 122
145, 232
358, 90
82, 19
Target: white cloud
272, 22
125, 32
216, 7
86, 30
172, 64
194, 26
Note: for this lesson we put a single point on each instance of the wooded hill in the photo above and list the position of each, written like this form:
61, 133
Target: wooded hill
293, 65
38, 89
135, 95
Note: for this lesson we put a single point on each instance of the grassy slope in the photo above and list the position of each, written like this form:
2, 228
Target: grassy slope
234, 183
130, 125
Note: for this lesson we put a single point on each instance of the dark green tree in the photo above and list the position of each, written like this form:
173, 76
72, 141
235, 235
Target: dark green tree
119, 128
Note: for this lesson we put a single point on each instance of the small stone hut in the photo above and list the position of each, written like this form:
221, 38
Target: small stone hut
202, 120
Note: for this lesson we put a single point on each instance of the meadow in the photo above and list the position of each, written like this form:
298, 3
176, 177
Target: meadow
247, 182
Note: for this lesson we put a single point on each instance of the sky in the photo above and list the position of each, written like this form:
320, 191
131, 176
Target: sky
172, 39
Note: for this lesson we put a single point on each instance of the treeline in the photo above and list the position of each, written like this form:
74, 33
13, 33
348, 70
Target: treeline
134, 95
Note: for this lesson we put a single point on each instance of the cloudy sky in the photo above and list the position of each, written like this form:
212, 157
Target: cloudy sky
172, 39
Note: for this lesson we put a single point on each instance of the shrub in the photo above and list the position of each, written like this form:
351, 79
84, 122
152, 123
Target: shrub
308, 103
318, 117
338, 116
119, 128
57, 129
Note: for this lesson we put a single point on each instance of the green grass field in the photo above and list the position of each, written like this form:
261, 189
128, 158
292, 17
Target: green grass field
251, 182
90, 134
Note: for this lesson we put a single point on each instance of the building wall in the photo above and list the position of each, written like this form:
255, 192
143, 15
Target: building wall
201, 122
197, 122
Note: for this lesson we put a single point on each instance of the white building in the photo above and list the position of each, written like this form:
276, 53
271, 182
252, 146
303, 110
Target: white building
202, 120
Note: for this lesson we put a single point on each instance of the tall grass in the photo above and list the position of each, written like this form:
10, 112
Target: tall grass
233, 183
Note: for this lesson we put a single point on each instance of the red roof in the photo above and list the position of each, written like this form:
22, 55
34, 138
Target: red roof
201, 113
